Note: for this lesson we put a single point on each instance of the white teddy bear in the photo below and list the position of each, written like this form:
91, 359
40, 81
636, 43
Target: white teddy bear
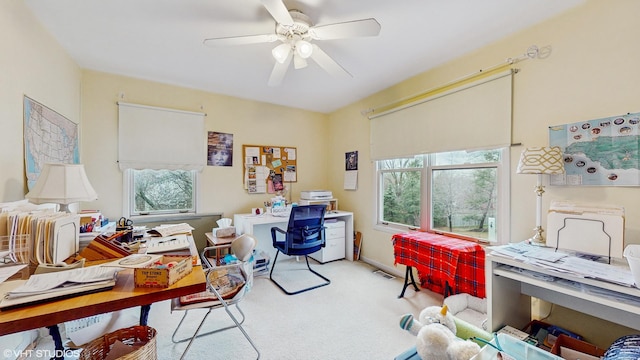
435, 330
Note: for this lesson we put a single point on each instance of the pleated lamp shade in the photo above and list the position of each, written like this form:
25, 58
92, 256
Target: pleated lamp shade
62, 184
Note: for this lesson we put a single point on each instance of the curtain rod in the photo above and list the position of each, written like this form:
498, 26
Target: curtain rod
121, 103
532, 52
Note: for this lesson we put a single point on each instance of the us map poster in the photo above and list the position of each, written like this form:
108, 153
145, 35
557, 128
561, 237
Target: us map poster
599, 152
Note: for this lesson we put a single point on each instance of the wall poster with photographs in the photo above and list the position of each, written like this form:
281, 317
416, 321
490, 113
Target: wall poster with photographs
267, 168
599, 152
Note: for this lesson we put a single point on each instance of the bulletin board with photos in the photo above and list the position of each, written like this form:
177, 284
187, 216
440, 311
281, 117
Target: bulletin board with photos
267, 168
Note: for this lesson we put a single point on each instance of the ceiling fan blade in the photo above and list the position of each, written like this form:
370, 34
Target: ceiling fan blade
241, 40
279, 70
279, 11
327, 63
356, 28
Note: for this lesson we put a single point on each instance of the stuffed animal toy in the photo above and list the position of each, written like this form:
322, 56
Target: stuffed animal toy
435, 332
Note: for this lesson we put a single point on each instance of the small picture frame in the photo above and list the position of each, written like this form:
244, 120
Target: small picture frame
351, 160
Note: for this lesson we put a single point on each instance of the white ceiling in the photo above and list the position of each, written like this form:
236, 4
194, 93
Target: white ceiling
162, 40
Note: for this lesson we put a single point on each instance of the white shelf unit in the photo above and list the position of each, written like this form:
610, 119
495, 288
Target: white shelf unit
509, 295
334, 242
332, 204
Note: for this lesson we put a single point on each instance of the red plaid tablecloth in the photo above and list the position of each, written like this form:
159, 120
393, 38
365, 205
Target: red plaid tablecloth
440, 260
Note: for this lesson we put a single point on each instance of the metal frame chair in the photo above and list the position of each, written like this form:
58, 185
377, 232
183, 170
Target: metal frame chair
304, 236
247, 269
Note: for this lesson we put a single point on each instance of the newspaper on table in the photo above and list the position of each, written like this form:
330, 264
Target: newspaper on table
566, 262
63, 281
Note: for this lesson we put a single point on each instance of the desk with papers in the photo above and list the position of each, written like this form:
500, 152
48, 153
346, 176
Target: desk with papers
124, 294
518, 272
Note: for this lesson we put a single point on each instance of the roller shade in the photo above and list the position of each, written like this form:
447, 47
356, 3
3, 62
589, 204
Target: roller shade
158, 138
476, 115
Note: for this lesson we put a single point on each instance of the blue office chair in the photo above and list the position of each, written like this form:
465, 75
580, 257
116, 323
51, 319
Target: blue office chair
304, 236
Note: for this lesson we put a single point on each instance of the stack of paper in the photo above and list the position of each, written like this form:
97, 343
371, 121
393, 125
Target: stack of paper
171, 229
565, 262
54, 285
40, 236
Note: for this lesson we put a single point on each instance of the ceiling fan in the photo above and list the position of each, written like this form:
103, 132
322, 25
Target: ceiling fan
295, 31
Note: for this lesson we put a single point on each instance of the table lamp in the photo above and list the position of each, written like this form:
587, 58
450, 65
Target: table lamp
62, 184
540, 161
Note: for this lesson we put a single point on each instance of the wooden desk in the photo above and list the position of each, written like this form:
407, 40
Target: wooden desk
442, 262
123, 295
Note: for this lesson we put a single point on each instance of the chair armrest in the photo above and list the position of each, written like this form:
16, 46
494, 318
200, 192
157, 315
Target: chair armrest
274, 236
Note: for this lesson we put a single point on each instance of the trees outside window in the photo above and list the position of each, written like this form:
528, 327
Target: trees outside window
453, 192
161, 191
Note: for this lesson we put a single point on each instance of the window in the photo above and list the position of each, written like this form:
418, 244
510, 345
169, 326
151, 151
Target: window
161, 191
160, 169
457, 192
400, 184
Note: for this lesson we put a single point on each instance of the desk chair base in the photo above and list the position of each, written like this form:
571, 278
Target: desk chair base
306, 258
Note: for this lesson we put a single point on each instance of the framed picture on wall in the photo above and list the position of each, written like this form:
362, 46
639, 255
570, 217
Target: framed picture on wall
351, 160
219, 149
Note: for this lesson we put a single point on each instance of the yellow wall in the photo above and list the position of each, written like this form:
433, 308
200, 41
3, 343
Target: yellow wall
250, 122
32, 64
592, 72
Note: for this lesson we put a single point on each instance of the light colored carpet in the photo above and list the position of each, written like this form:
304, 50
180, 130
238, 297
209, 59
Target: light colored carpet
355, 317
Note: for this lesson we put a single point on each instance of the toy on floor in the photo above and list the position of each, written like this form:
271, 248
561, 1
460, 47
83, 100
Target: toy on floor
435, 332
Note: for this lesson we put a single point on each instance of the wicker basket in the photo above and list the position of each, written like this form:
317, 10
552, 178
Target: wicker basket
98, 349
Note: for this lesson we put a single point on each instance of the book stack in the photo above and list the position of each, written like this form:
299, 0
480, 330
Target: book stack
260, 262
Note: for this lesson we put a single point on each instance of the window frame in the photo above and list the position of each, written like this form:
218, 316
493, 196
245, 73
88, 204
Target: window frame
502, 205
380, 194
128, 198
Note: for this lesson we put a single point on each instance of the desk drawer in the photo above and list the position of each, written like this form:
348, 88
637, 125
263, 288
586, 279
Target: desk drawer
335, 243
334, 230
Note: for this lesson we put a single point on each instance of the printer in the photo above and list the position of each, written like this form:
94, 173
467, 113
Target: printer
316, 195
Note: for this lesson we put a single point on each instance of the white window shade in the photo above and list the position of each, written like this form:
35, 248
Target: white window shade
473, 116
159, 138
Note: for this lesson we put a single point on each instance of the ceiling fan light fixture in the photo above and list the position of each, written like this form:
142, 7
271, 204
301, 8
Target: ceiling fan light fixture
299, 62
304, 48
281, 52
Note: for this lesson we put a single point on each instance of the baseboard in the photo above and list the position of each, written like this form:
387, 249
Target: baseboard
388, 269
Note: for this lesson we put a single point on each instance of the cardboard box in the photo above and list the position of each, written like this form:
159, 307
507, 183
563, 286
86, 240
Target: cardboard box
578, 346
153, 276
